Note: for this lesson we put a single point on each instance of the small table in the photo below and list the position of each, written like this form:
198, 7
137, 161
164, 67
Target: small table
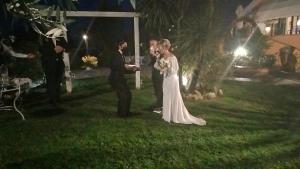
15, 92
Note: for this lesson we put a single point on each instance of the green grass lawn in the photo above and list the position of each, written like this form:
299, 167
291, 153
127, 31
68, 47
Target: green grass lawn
255, 125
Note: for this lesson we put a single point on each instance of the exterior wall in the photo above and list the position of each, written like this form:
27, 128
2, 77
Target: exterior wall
275, 46
282, 17
275, 9
282, 26
279, 12
288, 25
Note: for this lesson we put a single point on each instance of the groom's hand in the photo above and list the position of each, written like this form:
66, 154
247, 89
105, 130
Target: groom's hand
31, 56
137, 69
131, 67
58, 49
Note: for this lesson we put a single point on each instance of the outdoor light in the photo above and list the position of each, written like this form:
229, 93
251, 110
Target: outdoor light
85, 37
184, 80
240, 51
268, 29
298, 22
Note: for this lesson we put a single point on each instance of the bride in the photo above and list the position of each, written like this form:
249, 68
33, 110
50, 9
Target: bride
173, 107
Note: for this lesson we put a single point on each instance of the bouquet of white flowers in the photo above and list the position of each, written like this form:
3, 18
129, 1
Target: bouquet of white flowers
163, 64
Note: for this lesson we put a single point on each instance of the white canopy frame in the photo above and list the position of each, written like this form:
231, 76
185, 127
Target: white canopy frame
133, 15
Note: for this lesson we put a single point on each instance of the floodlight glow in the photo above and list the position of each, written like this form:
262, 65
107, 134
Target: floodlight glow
85, 37
184, 80
298, 22
240, 51
268, 29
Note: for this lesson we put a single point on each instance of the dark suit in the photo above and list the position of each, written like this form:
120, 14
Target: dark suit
119, 83
157, 81
1, 55
53, 67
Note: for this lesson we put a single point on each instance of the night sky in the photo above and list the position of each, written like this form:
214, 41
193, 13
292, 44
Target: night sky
112, 5
80, 26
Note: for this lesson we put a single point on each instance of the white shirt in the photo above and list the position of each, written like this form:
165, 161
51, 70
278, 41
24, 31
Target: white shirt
9, 50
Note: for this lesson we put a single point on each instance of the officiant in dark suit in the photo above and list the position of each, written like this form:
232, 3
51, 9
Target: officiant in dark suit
118, 81
52, 60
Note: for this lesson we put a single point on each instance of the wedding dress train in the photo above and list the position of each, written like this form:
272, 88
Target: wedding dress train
174, 109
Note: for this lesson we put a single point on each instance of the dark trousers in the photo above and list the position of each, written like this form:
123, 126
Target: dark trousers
124, 96
54, 75
157, 81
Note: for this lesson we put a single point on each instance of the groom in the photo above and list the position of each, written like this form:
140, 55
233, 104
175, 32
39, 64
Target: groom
118, 81
157, 78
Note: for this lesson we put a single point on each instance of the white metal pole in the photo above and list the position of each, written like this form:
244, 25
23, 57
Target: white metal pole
137, 52
66, 59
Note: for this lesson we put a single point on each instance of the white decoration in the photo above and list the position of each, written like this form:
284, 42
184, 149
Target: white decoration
133, 3
220, 92
57, 32
60, 31
211, 95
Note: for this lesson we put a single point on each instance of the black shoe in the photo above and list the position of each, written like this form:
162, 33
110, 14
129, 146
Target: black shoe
60, 109
134, 114
53, 103
150, 108
123, 115
58, 100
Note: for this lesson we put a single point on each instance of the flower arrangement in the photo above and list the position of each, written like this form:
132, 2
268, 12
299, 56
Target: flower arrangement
163, 64
90, 61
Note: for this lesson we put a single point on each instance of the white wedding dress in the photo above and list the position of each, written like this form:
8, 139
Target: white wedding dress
174, 109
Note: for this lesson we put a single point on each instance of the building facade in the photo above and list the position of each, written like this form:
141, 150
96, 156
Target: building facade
279, 17
280, 21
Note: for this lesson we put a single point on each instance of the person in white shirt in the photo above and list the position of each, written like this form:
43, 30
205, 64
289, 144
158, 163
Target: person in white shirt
5, 49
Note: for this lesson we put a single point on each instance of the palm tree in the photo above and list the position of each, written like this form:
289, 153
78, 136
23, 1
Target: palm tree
158, 15
191, 23
201, 37
198, 30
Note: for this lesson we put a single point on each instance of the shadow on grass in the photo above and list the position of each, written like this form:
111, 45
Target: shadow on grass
67, 159
89, 135
9, 116
87, 94
164, 155
45, 111
252, 120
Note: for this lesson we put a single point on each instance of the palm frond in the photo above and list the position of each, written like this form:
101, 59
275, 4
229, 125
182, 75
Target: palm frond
157, 14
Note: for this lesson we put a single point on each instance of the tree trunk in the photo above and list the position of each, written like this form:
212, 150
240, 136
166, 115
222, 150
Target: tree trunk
200, 61
182, 6
194, 81
179, 57
196, 72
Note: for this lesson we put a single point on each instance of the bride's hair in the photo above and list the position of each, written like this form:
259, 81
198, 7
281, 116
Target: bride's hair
165, 43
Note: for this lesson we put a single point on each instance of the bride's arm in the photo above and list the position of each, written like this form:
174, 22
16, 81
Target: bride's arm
173, 68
